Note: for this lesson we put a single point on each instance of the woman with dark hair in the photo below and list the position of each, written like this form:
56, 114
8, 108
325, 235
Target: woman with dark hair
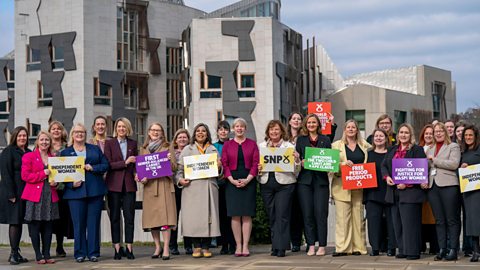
12, 208
41, 196
312, 187
199, 215
471, 156
121, 152
159, 209
374, 199
385, 122
277, 190
406, 199
180, 140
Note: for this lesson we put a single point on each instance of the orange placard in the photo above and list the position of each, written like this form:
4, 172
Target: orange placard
359, 176
324, 112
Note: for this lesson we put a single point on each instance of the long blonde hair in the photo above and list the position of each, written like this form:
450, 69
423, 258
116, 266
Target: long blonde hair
358, 136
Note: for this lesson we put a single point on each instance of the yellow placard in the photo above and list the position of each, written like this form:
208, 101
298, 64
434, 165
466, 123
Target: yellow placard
200, 166
469, 178
275, 159
66, 169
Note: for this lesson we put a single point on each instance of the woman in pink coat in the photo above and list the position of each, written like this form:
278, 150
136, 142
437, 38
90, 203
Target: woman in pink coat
41, 196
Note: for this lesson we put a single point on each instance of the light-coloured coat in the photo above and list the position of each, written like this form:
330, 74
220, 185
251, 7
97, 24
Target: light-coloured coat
159, 207
283, 178
445, 163
199, 215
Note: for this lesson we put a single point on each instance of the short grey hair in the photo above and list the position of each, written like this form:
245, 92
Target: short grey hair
241, 121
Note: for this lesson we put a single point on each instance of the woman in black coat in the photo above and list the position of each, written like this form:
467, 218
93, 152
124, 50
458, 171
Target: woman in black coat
12, 208
406, 199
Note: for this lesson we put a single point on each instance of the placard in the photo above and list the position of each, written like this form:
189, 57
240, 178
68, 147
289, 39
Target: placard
276, 159
153, 165
324, 111
322, 159
410, 170
359, 176
469, 178
66, 169
200, 166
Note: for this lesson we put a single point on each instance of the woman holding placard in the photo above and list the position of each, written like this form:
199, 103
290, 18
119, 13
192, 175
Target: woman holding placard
41, 196
312, 187
199, 215
159, 210
121, 152
85, 198
350, 225
406, 199
471, 156
277, 190
444, 193
374, 199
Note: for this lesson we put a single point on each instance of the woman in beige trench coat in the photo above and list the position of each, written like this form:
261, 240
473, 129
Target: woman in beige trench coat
159, 209
199, 215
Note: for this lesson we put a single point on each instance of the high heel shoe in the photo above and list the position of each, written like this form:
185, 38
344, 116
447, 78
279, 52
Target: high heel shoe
117, 255
441, 254
130, 255
452, 255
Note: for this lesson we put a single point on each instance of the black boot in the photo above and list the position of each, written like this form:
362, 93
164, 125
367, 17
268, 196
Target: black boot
476, 250
13, 259
452, 255
441, 254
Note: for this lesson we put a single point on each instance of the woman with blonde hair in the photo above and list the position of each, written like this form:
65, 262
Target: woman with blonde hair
99, 132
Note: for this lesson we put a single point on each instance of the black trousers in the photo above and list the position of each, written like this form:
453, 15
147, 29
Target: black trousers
226, 240
296, 220
126, 201
201, 242
314, 203
446, 205
407, 223
377, 228
187, 242
41, 230
277, 199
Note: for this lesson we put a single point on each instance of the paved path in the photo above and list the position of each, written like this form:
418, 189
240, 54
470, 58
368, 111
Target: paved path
260, 259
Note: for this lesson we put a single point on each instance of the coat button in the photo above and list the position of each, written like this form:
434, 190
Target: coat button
38, 186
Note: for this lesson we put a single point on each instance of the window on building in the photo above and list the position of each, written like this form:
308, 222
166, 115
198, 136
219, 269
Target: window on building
400, 117
57, 57
33, 59
130, 94
247, 81
202, 80
174, 95
44, 95
10, 77
214, 82
357, 115
140, 127
174, 60
438, 98
210, 94
4, 109
129, 53
33, 130
102, 93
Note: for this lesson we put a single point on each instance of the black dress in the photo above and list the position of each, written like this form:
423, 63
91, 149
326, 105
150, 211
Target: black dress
356, 156
472, 198
11, 185
241, 201
45, 209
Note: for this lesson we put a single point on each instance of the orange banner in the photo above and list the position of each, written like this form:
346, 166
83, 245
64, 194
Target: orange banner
359, 176
324, 112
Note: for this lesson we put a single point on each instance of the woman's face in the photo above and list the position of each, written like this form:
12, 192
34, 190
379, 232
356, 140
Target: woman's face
379, 139
100, 126
428, 136
385, 124
458, 133
450, 126
43, 142
351, 130
121, 129
182, 140
296, 121
239, 129
201, 134
439, 134
404, 135
312, 124
79, 135
275, 133
22, 139
56, 132
222, 134
469, 137
155, 132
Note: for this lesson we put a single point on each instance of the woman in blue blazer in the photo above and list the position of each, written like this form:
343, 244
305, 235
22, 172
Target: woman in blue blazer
86, 198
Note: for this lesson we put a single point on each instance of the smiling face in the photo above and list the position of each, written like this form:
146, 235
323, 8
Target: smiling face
182, 140
22, 139
155, 132
404, 135
439, 134
312, 124
200, 135
428, 136
379, 139
100, 126
351, 130
56, 132
275, 133
458, 133
239, 129
44, 142
121, 129
79, 135
222, 134
295, 121
385, 124
450, 126
469, 137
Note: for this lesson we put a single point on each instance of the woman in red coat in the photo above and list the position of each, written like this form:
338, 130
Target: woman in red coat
41, 196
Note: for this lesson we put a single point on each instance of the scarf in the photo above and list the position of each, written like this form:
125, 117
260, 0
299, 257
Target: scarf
154, 145
201, 149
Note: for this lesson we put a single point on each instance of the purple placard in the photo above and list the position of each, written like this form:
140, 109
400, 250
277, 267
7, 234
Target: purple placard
153, 165
410, 170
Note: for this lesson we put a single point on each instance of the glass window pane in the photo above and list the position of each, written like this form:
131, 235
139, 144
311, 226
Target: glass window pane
248, 81
214, 82
58, 53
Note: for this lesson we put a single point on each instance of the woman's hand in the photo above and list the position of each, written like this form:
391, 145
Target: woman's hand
430, 157
76, 184
219, 163
13, 200
184, 182
47, 172
130, 159
88, 167
349, 163
390, 181
143, 180
401, 186
303, 161
169, 156
260, 167
464, 165
424, 185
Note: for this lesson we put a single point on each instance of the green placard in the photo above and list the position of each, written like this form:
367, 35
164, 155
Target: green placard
322, 159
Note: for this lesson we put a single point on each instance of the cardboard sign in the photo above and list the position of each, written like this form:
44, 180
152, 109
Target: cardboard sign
200, 166
66, 169
275, 159
359, 176
322, 159
469, 178
324, 111
153, 165
410, 170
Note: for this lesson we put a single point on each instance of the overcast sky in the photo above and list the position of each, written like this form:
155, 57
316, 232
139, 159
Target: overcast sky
368, 35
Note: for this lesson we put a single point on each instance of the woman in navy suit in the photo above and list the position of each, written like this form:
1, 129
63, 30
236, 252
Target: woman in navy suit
85, 199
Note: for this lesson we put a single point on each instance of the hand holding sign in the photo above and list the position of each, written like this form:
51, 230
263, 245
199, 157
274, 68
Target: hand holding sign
359, 176
410, 170
322, 159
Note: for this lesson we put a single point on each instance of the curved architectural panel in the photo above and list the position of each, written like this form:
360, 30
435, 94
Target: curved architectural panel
241, 29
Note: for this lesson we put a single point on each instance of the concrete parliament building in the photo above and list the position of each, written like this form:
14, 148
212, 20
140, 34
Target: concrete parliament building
160, 60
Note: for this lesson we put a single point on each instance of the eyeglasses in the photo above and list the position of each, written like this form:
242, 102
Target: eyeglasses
78, 132
385, 123
156, 130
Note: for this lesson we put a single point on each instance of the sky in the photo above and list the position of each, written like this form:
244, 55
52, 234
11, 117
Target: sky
369, 35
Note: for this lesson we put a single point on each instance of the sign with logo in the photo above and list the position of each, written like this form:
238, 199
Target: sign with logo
324, 111
359, 176
153, 165
275, 159
410, 170
469, 178
322, 159
200, 166
66, 169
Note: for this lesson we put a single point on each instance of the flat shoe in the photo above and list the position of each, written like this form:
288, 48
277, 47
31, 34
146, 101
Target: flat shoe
207, 254
42, 261
339, 254
238, 254
93, 259
197, 253
245, 254
320, 252
50, 261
